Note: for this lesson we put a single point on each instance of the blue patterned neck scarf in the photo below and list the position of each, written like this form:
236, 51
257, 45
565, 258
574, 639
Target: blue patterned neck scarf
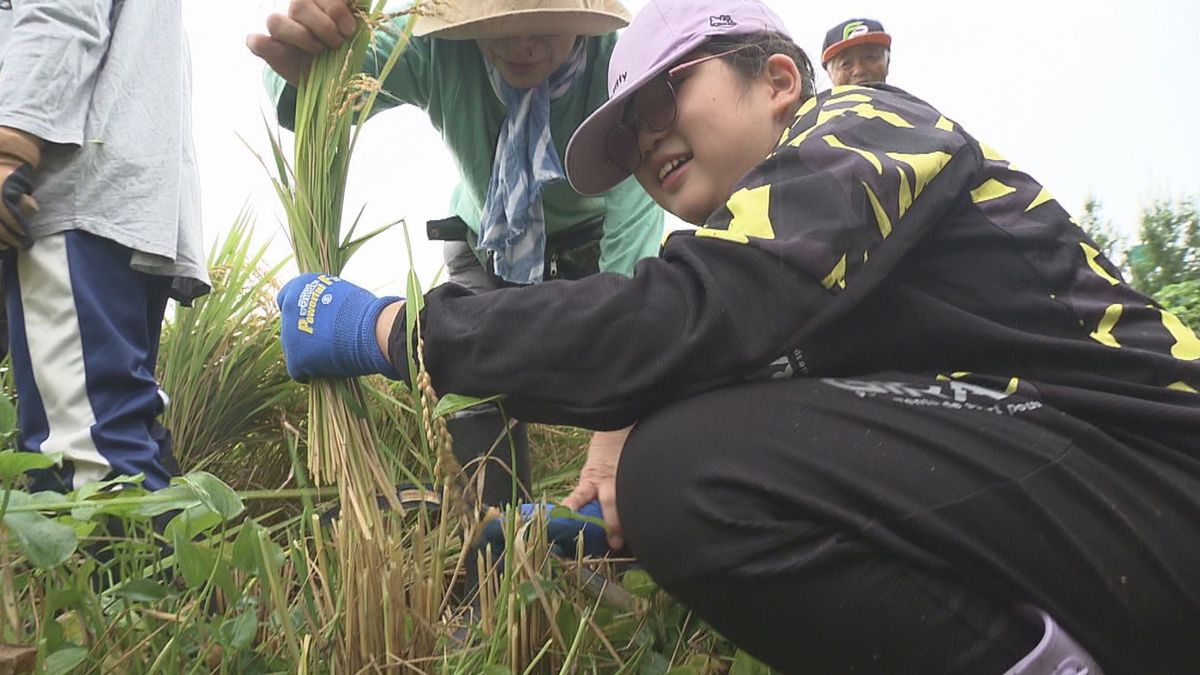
513, 225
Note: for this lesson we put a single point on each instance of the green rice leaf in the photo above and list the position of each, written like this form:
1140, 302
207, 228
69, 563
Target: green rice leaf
239, 632
351, 247
564, 512
199, 562
47, 543
193, 521
452, 403
8, 416
142, 590
171, 498
213, 493
744, 664
104, 489
639, 583
194, 561
13, 464
64, 660
245, 549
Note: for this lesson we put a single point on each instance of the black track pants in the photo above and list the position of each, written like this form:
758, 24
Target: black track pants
890, 524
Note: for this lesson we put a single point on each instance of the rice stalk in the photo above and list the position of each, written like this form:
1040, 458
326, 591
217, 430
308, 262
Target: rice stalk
513, 620
342, 444
386, 589
226, 343
10, 625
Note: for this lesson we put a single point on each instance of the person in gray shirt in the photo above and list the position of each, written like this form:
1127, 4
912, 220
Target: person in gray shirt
99, 226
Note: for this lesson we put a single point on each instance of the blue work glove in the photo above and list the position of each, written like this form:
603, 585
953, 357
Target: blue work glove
328, 329
560, 532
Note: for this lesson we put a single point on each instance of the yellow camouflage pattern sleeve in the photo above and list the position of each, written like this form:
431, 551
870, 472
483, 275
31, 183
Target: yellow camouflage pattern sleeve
1110, 312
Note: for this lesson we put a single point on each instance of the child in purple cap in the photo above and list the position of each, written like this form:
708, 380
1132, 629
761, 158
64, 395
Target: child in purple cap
893, 412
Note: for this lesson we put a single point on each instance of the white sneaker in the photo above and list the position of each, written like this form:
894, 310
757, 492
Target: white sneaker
1056, 654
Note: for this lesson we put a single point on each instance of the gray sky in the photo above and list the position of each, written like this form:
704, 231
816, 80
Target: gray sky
1094, 97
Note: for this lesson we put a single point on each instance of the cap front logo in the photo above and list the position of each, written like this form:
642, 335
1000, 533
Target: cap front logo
721, 21
855, 28
620, 81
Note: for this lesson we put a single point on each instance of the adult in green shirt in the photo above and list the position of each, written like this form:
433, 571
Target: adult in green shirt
506, 83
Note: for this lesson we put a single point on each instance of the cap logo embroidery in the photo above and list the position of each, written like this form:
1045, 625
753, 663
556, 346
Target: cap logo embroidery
855, 28
620, 81
721, 21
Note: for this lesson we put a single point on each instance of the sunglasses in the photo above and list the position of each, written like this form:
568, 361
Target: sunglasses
653, 108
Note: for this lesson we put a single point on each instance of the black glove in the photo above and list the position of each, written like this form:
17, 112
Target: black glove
20, 155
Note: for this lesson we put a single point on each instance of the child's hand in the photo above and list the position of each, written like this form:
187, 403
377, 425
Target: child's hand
328, 329
598, 481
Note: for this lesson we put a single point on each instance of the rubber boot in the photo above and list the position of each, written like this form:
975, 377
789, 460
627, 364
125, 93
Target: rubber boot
1056, 654
484, 442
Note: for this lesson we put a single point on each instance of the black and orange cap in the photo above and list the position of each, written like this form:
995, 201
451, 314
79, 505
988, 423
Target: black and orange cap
853, 32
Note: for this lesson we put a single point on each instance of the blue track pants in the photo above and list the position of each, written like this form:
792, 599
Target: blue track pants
84, 341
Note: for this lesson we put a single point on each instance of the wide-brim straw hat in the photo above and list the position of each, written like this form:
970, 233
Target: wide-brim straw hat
473, 19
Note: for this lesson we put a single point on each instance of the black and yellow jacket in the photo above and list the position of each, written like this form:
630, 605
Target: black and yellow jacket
879, 236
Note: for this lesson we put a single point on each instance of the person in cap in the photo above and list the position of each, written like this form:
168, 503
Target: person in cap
894, 412
506, 82
857, 51
99, 228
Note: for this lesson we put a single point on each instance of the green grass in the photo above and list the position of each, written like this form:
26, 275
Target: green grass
262, 594
228, 342
243, 581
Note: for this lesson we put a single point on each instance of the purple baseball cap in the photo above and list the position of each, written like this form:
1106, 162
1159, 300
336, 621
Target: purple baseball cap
661, 34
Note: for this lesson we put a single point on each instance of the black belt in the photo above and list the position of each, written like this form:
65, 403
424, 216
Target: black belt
571, 253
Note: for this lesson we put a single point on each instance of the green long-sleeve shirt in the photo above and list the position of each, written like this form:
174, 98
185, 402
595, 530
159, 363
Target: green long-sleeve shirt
448, 80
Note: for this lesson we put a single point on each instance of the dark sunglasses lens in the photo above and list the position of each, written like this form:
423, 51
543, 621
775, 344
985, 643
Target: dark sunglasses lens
655, 105
622, 147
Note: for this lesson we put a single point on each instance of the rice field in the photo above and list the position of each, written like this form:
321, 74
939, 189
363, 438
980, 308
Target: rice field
241, 566
233, 570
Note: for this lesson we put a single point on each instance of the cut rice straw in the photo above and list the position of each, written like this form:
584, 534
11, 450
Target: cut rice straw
342, 445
